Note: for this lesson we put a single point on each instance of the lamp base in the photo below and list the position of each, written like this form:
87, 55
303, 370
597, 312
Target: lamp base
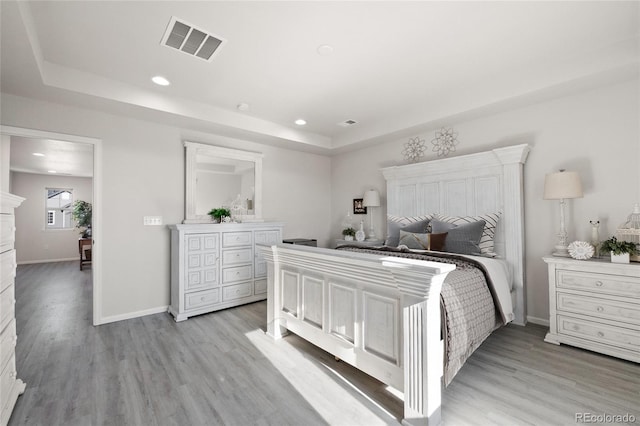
561, 251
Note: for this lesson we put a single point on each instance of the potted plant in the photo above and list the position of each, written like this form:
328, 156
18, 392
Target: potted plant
82, 215
620, 250
348, 234
218, 213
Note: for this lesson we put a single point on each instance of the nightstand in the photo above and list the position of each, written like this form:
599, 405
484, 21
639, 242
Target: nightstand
365, 243
595, 305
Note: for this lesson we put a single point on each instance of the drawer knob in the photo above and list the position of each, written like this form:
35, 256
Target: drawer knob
600, 334
237, 272
598, 283
202, 299
12, 374
599, 309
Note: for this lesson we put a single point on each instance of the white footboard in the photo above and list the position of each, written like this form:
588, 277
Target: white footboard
380, 314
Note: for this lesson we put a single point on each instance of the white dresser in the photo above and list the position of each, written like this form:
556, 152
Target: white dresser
595, 305
216, 266
10, 386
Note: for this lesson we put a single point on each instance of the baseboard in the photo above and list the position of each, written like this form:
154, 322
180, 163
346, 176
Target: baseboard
131, 315
539, 321
29, 262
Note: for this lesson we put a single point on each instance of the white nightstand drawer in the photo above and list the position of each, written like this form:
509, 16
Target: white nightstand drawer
618, 285
240, 273
237, 256
7, 268
268, 237
237, 291
615, 336
235, 239
599, 307
201, 298
7, 379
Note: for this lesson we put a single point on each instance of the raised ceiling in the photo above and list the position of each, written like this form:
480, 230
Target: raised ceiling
395, 67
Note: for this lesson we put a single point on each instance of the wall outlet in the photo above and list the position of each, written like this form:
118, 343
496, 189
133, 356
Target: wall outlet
152, 220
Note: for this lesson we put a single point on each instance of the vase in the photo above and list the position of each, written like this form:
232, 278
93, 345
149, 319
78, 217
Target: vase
620, 258
348, 237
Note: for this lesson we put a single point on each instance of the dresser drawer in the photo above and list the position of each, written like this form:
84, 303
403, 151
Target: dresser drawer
590, 330
201, 242
599, 307
237, 256
260, 287
201, 278
599, 283
7, 232
8, 341
7, 378
268, 237
7, 306
201, 298
237, 291
261, 268
239, 273
7, 268
236, 239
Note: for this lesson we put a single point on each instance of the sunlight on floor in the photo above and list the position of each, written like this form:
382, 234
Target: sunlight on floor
332, 395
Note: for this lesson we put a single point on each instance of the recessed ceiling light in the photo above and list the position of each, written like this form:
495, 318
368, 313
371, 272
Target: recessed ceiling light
300, 122
38, 154
243, 107
52, 171
324, 50
160, 80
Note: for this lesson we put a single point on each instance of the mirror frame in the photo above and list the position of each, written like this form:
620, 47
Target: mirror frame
192, 149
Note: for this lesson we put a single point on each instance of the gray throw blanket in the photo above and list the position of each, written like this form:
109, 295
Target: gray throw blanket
467, 305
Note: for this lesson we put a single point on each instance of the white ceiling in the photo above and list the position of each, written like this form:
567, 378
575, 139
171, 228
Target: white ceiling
63, 158
396, 68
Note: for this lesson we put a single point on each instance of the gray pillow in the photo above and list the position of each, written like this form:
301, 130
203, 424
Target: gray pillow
462, 239
393, 230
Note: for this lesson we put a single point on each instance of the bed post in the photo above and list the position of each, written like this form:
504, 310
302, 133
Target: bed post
274, 329
422, 347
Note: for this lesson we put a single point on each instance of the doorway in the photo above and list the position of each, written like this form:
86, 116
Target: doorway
16, 135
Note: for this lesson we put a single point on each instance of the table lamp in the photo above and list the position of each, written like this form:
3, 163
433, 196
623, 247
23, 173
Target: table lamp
562, 185
370, 199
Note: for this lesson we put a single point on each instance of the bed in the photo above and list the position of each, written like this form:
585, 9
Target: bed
380, 309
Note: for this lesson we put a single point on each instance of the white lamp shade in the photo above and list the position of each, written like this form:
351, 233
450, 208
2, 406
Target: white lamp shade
562, 185
371, 199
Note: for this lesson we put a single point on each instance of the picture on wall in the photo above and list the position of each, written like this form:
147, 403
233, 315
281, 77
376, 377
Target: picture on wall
358, 208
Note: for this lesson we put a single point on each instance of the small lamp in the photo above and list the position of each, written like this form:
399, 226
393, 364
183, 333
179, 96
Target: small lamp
371, 198
562, 185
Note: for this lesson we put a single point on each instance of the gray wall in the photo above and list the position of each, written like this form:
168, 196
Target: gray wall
595, 133
143, 174
34, 243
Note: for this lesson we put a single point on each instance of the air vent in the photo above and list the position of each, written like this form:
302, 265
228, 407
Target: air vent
347, 123
193, 41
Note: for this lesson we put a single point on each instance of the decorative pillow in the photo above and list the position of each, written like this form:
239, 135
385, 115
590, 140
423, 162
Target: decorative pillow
423, 241
408, 223
462, 239
488, 234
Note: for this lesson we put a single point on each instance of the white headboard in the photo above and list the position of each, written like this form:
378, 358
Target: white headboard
470, 185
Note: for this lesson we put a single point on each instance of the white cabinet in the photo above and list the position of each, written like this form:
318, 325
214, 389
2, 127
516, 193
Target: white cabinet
10, 386
595, 305
216, 266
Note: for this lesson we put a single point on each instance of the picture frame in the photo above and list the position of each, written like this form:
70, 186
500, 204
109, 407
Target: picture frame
358, 208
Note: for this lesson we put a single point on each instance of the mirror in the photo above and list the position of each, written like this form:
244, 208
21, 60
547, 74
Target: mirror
222, 177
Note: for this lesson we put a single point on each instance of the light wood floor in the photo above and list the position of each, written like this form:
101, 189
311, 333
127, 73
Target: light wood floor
220, 369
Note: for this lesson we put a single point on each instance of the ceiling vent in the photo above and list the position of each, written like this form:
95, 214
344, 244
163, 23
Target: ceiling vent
347, 123
191, 40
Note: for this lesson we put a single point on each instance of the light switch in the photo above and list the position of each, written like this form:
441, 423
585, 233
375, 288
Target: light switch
152, 220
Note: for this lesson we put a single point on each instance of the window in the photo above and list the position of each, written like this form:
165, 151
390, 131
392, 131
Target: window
59, 208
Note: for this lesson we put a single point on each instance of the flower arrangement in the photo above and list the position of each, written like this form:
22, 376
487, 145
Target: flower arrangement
218, 213
618, 247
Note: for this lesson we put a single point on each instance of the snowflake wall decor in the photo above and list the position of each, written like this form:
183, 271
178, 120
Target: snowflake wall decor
414, 149
445, 141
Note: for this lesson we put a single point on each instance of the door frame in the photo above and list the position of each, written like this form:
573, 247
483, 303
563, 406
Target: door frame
96, 225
